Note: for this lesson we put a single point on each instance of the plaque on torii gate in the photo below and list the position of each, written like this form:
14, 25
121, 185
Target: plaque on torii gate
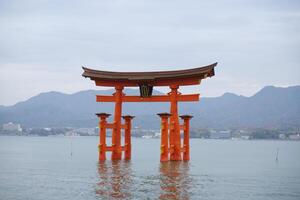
171, 148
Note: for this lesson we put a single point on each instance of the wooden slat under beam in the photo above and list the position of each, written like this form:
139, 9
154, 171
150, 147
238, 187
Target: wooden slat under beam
156, 98
133, 83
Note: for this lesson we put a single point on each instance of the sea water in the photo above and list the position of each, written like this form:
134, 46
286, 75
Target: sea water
67, 168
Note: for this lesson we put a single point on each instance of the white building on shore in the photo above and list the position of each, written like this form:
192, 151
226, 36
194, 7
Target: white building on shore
294, 137
12, 127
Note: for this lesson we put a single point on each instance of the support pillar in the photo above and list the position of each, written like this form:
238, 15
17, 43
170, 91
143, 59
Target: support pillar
164, 148
102, 135
127, 148
116, 134
186, 137
175, 141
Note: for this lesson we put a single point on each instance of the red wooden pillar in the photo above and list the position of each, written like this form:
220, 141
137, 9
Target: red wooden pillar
175, 142
127, 119
102, 135
164, 148
186, 138
116, 134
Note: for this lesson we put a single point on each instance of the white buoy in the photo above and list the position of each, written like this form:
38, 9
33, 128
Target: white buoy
71, 146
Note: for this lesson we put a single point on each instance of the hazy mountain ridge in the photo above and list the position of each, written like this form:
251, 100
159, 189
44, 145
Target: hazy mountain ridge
270, 107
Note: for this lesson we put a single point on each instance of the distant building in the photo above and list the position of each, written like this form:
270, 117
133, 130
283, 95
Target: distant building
220, 135
71, 133
282, 136
12, 127
157, 134
245, 137
294, 137
85, 131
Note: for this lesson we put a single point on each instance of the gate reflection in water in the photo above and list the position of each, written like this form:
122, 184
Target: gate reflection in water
117, 181
175, 181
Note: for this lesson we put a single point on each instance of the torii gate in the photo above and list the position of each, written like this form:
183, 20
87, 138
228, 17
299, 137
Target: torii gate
171, 148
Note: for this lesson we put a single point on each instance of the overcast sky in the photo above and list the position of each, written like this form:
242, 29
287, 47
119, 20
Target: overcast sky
43, 44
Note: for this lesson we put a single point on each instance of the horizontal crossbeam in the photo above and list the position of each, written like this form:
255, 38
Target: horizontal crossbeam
156, 98
112, 126
112, 148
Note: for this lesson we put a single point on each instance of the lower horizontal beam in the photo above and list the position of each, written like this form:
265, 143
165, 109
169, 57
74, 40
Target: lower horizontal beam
111, 148
112, 126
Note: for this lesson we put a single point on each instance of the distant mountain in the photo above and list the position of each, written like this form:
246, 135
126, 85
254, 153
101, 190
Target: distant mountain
270, 107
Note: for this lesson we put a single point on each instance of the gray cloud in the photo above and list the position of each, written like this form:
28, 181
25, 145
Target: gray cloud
45, 43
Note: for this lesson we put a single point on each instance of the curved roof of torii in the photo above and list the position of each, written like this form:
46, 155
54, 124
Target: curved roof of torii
155, 76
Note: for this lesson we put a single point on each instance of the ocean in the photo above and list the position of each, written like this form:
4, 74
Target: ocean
42, 168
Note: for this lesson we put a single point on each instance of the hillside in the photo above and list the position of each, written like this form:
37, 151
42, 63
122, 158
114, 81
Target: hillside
270, 107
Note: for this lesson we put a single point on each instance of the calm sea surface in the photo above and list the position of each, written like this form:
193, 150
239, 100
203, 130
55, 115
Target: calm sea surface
43, 168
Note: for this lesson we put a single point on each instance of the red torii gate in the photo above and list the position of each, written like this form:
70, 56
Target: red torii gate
171, 148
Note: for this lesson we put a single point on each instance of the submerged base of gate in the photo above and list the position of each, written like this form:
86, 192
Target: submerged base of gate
171, 148
115, 149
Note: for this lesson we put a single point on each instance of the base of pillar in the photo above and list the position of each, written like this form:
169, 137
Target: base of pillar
176, 156
164, 159
176, 159
116, 157
127, 157
186, 157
